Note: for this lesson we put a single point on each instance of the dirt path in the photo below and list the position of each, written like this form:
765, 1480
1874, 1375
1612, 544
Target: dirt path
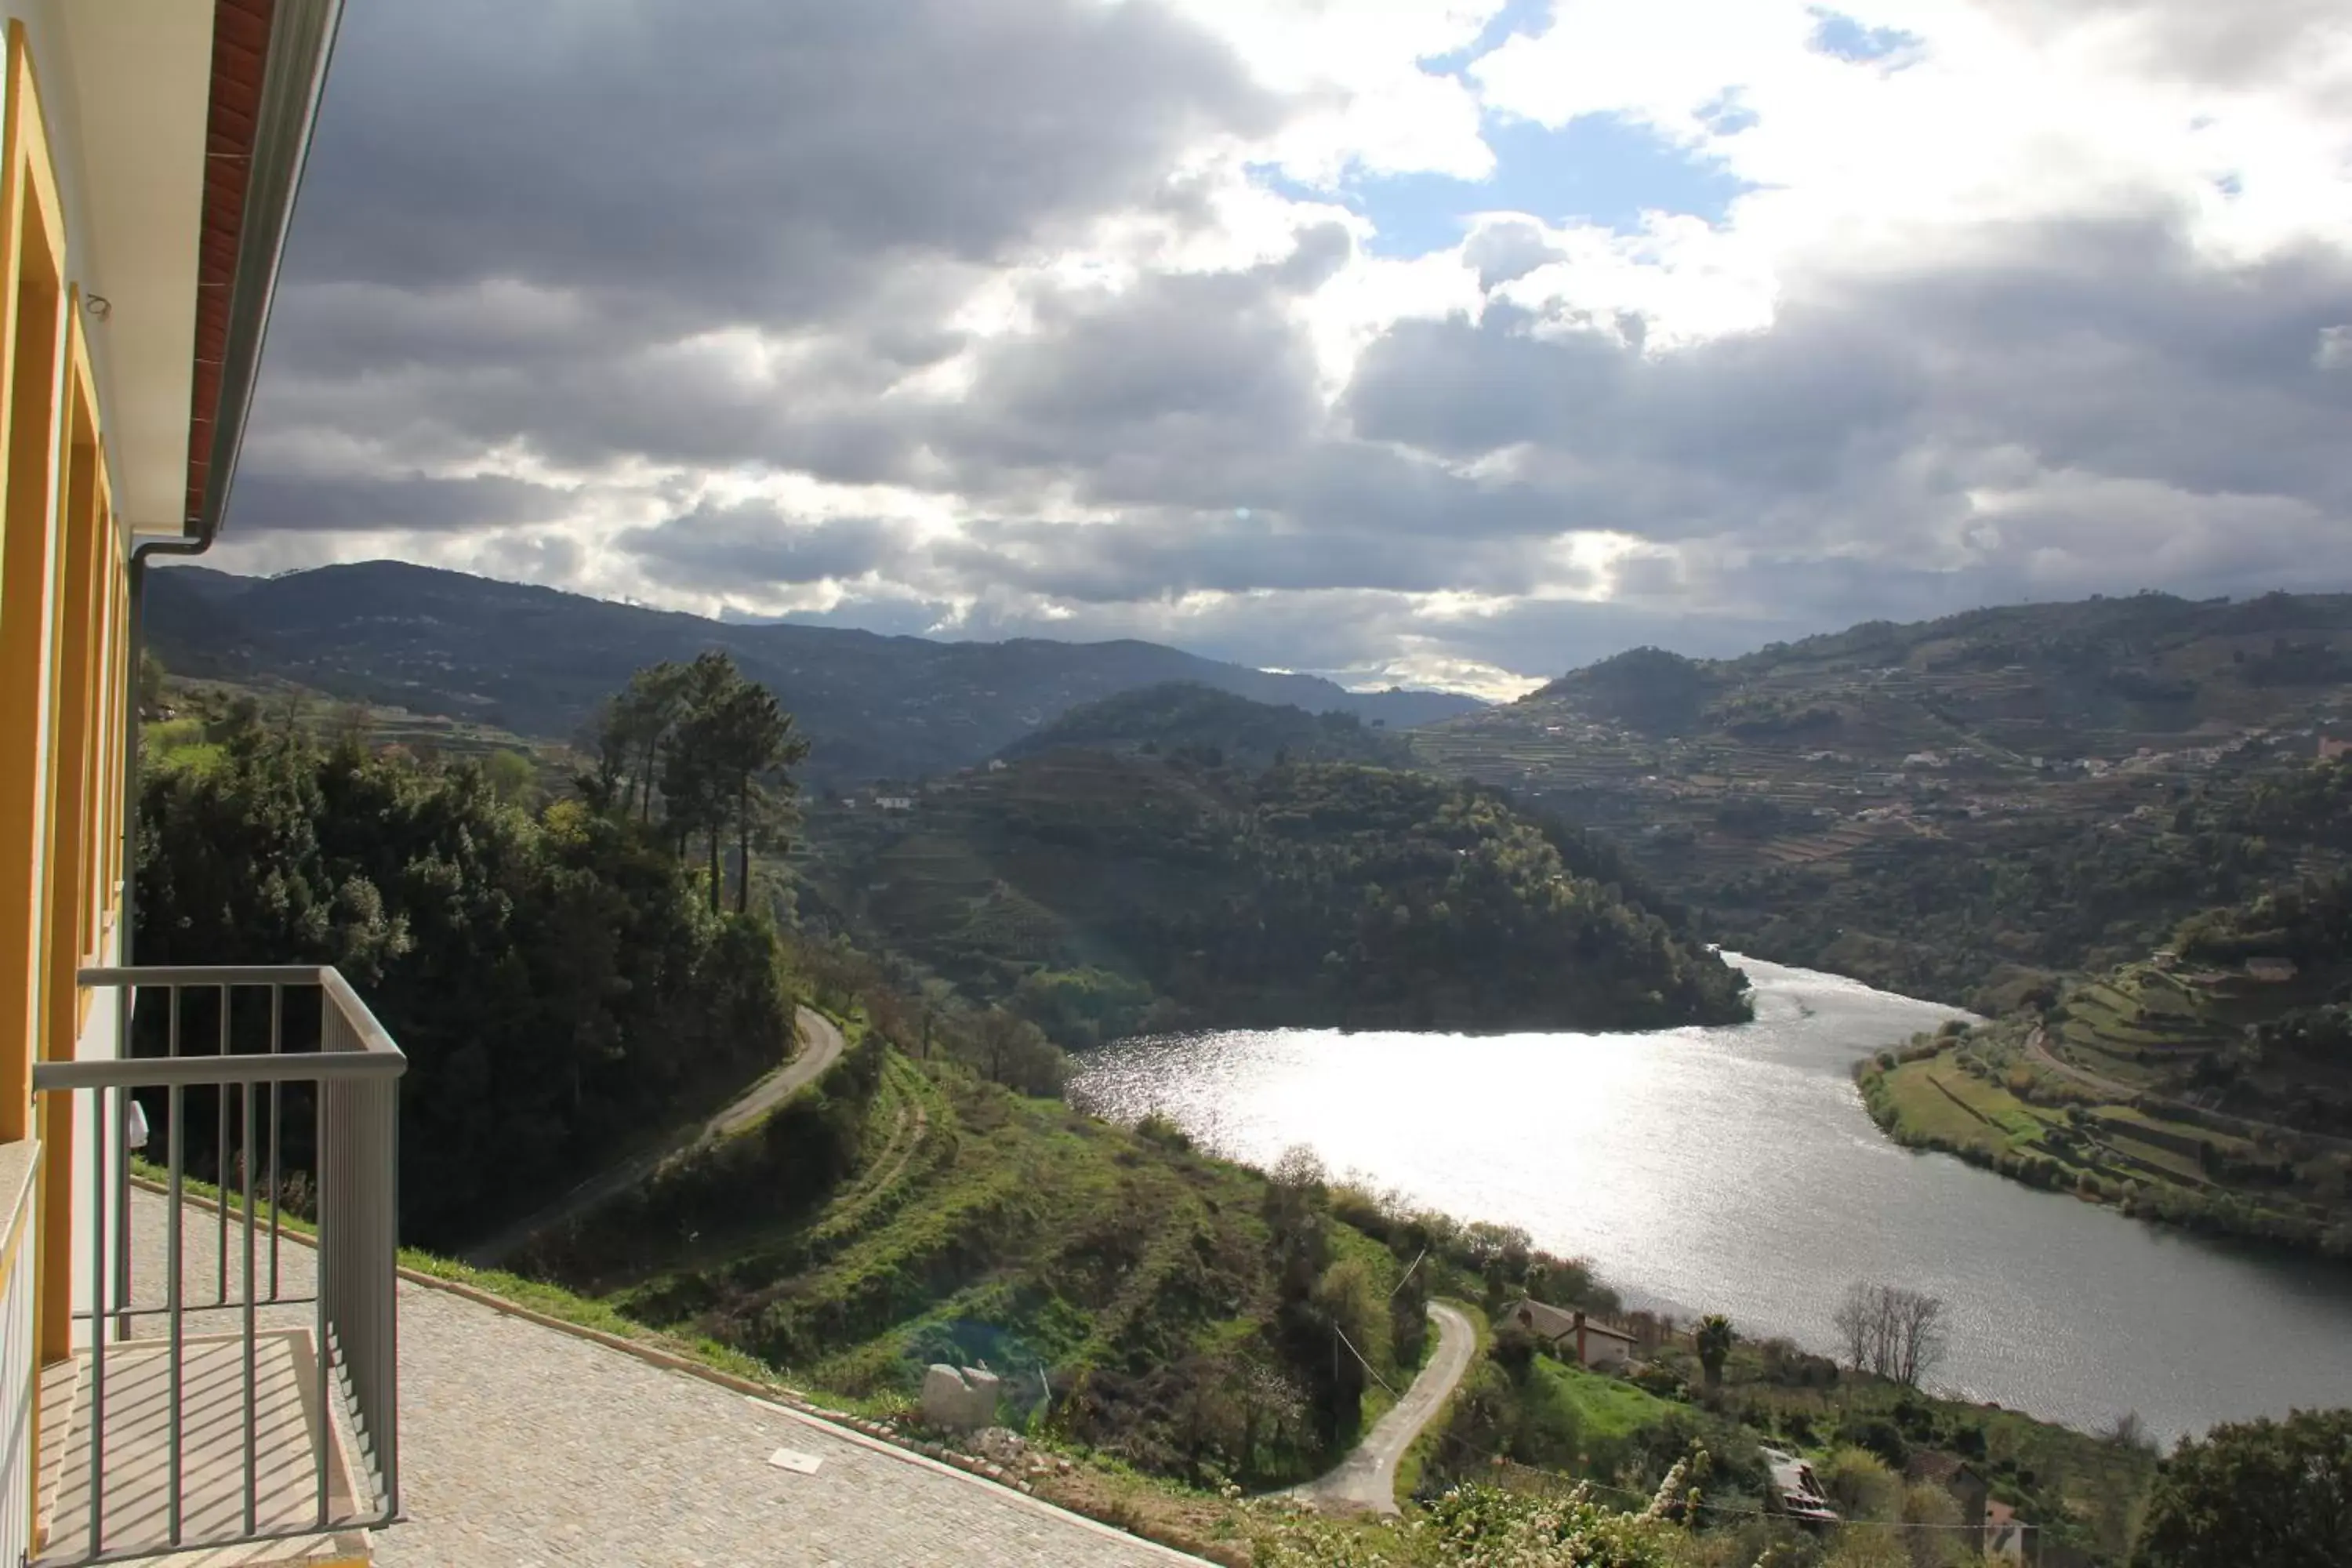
2037, 1046
821, 1047
1366, 1480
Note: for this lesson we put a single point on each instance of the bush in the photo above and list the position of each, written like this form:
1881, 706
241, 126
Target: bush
1859, 1484
1878, 1435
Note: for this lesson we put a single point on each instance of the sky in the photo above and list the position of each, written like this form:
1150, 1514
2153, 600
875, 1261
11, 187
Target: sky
1451, 343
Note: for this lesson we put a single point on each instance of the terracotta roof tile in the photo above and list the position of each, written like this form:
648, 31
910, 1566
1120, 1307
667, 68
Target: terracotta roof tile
240, 45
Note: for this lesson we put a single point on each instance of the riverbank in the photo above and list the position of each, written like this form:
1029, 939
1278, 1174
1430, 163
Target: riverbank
1546, 1422
1736, 1170
1992, 1096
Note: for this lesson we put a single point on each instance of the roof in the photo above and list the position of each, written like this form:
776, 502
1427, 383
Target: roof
240, 43
181, 129
1551, 1322
269, 65
1798, 1493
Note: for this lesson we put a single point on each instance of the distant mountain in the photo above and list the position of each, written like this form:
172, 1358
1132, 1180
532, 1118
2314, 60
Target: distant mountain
1957, 808
1215, 727
536, 662
2031, 679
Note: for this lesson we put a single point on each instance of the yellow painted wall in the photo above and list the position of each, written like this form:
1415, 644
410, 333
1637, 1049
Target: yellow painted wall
63, 649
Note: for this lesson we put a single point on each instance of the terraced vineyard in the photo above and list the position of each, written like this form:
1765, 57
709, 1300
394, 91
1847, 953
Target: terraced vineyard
975, 1226
2142, 1090
1879, 801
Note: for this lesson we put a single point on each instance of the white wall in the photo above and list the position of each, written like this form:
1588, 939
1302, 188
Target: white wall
98, 1041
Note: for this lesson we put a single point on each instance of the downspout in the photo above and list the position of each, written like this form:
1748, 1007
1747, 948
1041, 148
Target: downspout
294, 76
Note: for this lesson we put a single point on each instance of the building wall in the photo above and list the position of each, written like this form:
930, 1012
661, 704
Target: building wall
63, 601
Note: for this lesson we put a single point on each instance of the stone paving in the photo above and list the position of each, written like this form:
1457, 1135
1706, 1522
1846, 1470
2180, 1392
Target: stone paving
523, 1446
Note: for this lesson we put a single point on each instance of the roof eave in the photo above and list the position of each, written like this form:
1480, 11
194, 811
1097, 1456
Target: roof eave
294, 75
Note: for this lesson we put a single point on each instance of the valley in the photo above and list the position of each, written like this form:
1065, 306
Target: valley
1502, 896
1961, 809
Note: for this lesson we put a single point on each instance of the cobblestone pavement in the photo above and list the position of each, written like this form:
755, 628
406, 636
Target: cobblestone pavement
524, 1446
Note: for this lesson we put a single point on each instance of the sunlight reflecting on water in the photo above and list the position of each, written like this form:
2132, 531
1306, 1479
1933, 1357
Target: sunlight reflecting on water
1734, 1170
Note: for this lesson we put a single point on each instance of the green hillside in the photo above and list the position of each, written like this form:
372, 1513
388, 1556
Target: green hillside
1310, 894
2209, 1085
1177, 1308
1216, 728
1957, 808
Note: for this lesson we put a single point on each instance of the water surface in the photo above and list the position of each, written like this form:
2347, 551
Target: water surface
1734, 1170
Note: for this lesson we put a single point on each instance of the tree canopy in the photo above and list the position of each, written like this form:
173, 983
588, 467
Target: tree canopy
556, 976
2256, 1494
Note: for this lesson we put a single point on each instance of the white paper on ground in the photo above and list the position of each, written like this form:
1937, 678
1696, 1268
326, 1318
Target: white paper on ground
792, 1459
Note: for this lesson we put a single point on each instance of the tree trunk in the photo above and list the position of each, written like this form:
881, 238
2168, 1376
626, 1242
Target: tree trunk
743, 845
714, 868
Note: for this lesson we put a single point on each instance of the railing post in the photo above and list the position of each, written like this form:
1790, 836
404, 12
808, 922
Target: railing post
330, 1265
356, 1166
97, 1325
176, 1142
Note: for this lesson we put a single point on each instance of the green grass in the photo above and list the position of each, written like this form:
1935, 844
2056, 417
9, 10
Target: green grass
1008, 1229
1606, 1408
1934, 1101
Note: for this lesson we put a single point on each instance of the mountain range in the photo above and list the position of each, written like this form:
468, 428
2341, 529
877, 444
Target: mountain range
536, 662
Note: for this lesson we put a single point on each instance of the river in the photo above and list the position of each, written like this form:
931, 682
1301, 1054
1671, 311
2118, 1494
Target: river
1734, 1170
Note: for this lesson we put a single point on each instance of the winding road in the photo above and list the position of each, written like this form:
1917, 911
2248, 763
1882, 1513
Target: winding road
821, 1047
1366, 1480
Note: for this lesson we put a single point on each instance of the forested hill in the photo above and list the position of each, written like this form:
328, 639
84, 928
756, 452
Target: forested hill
1216, 728
537, 662
1958, 809
2051, 680
1118, 892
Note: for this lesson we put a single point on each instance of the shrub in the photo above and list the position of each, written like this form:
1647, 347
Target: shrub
1859, 1485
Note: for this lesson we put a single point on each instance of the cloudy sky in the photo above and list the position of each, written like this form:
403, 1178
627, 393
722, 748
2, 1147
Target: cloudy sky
1455, 343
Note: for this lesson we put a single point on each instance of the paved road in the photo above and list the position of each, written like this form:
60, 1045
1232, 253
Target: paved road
821, 1047
1366, 1478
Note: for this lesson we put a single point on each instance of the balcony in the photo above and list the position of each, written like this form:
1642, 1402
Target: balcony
232, 1397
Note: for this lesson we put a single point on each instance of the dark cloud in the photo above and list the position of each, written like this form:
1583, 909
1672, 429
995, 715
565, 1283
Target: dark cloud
715, 549
414, 502
741, 160
642, 244
2105, 347
2239, 43
1164, 558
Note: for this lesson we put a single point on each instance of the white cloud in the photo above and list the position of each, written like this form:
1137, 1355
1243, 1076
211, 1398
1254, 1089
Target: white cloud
2027, 304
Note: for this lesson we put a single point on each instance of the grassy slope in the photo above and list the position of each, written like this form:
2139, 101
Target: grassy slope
978, 1225
1985, 1100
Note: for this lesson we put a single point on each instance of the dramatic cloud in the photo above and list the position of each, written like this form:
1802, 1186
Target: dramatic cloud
1458, 341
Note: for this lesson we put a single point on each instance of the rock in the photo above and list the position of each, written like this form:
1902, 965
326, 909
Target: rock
959, 1399
1001, 1444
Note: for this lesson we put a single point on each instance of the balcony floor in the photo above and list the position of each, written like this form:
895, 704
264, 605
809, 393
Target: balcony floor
288, 1431
288, 1439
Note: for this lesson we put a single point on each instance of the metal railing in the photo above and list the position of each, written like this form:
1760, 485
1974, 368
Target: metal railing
303, 1115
